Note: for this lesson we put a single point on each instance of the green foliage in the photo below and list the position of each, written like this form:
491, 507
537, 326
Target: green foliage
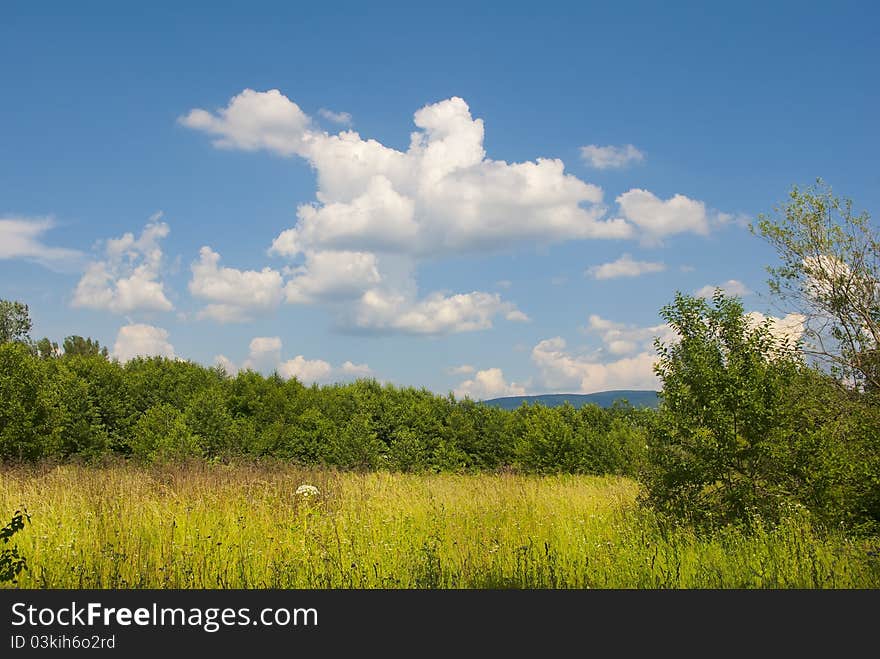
357, 446
78, 346
15, 322
161, 435
724, 431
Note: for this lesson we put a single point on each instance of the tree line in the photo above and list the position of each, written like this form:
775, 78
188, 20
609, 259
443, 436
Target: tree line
751, 426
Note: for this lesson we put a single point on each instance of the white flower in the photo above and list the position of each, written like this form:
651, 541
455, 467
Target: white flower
308, 491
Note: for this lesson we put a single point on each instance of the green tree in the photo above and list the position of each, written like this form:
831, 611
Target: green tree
162, 435
77, 345
15, 322
724, 432
830, 273
46, 349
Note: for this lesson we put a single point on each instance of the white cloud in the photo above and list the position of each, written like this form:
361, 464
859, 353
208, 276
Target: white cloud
621, 338
226, 364
489, 383
443, 195
789, 328
141, 340
305, 370
503, 283
657, 218
20, 238
332, 275
356, 370
233, 295
625, 266
128, 279
731, 288
611, 157
464, 369
264, 355
562, 370
436, 314
342, 118
254, 120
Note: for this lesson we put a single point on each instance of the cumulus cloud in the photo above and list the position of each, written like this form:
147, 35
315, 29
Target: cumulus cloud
138, 340
264, 355
341, 118
583, 373
233, 295
731, 288
21, 238
332, 275
254, 120
657, 219
622, 338
625, 266
464, 369
489, 383
127, 280
305, 370
611, 157
376, 205
436, 314
788, 328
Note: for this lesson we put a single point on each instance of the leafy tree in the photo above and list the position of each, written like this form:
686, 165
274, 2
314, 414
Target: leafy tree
15, 322
357, 446
46, 349
77, 345
724, 430
28, 405
162, 435
207, 417
831, 273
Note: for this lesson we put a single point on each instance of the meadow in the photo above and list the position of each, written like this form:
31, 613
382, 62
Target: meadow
199, 525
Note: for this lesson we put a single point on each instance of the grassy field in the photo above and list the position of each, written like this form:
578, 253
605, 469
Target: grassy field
243, 526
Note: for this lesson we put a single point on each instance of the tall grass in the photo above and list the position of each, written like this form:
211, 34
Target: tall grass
243, 526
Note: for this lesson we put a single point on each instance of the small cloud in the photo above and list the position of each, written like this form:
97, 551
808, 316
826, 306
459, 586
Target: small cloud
517, 316
341, 118
686, 268
625, 266
503, 283
489, 383
731, 288
464, 369
611, 157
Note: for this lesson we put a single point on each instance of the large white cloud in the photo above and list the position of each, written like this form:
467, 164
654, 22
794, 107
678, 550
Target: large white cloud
625, 266
20, 238
128, 279
442, 195
233, 295
611, 157
138, 340
488, 383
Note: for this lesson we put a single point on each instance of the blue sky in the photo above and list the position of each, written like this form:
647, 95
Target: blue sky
243, 181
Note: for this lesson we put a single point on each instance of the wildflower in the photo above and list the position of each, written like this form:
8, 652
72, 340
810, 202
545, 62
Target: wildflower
307, 491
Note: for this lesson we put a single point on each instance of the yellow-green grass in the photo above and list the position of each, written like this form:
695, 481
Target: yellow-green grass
243, 526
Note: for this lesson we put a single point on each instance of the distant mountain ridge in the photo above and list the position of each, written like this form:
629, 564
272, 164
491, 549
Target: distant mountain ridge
635, 397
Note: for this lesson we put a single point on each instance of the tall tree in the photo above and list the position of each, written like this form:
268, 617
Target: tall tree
15, 322
831, 273
77, 345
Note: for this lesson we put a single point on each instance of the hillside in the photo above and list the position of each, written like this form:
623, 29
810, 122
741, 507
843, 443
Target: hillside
637, 398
